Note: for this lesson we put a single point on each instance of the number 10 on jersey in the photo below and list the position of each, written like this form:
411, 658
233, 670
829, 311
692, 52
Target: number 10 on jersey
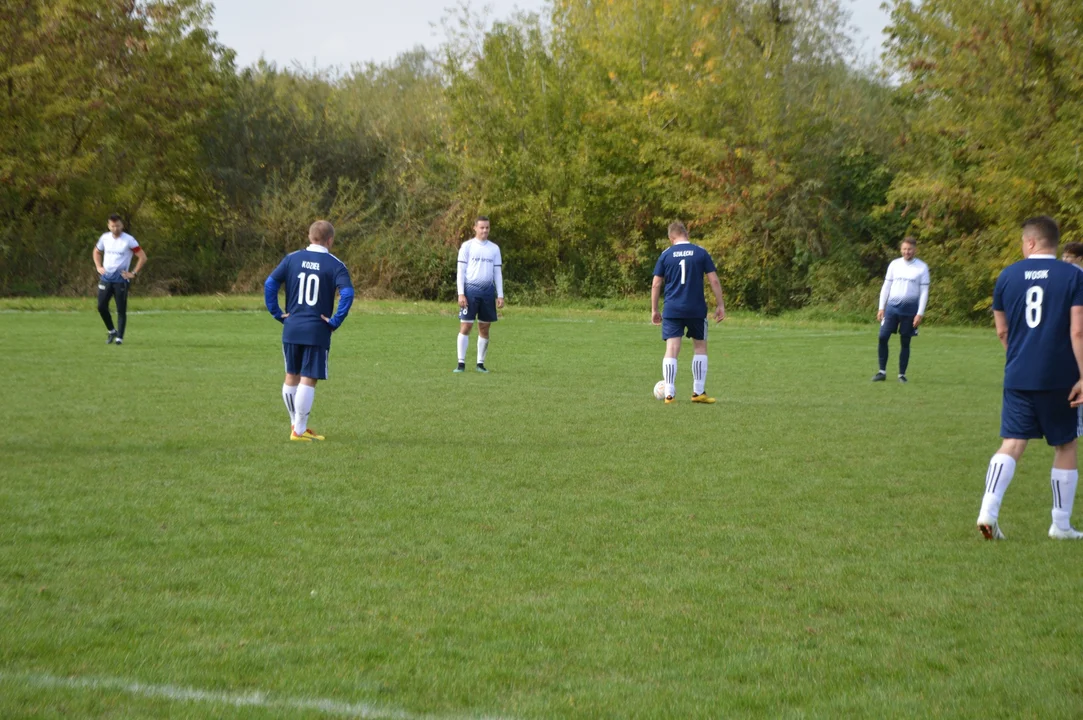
308, 290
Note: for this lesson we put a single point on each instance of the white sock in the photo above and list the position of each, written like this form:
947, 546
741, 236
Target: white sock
1063, 483
303, 404
669, 374
288, 392
483, 347
997, 478
699, 374
464, 342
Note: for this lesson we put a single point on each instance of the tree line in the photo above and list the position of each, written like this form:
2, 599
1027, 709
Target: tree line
581, 133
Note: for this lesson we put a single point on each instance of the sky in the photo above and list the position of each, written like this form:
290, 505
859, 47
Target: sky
321, 34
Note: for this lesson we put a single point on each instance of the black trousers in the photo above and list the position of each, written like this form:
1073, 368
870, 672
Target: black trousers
118, 290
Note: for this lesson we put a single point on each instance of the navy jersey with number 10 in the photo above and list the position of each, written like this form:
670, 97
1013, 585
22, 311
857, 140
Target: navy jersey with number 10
1037, 295
684, 266
311, 276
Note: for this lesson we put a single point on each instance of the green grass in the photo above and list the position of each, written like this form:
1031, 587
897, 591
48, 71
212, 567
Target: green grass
544, 541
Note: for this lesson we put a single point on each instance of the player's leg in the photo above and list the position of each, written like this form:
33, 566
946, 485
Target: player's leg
105, 291
1018, 423
120, 292
672, 331
314, 367
483, 344
887, 328
292, 357
699, 367
906, 331
466, 323
1062, 422
463, 344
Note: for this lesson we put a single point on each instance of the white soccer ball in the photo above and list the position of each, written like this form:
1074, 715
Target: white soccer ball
660, 390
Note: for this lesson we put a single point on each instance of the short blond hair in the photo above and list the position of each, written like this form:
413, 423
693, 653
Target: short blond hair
320, 232
677, 229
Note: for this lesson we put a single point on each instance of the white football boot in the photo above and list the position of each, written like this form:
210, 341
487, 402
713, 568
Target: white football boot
1068, 534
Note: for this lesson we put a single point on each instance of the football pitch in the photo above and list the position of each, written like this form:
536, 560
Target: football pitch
546, 541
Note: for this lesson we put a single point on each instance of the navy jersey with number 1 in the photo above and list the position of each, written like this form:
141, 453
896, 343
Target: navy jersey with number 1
1037, 295
684, 266
311, 276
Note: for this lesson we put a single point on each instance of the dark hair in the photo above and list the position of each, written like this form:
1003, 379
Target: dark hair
1044, 227
677, 228
115, 218
1073, 248
481, 218
909, 239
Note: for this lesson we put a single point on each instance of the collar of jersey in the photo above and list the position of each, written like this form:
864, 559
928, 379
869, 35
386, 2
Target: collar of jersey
683, 242
1043, 256
317, 248
477, 239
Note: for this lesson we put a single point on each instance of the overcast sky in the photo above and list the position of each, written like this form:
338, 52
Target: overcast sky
338, 33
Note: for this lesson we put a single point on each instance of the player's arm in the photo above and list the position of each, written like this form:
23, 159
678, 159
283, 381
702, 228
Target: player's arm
498, 280
1076, 396
1001, 319
460, 275
656, 295
98, 260
270, 291
884, 292
923, 299
141, 260
345, 299
716, 288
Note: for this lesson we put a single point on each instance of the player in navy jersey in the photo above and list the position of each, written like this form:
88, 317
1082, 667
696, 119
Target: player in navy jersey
679, 272
311, 276
113, 258
1038, 308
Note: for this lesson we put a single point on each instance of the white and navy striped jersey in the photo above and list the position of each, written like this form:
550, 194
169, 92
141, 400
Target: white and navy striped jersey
906, 287
116, 254
479, 271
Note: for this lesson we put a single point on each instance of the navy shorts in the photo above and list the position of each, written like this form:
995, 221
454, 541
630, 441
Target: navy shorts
1032, 414
308, 361
482, 307
675, 327
894, 322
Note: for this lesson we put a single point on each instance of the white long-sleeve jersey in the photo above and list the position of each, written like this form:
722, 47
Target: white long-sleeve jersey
479, 268
906, 287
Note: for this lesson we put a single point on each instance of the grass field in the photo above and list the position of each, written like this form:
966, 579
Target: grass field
544, 541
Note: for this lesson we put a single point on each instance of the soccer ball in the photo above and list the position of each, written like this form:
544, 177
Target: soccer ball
660, 390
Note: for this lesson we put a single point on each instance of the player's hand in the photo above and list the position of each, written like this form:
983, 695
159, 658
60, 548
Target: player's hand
328, 321
917, 320
462, 302
127, 275
656, 318
880, 316
719, 314
1075, 397
101, 270
282, 317
499, 303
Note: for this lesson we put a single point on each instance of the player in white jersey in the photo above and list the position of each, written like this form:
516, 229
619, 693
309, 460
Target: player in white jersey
902, 305
113, 258
480, 283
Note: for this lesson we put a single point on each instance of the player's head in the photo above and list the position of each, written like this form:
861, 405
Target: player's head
677, 231
116, 225
481, 227
1040, 235
908, 247
1073, 253
321, 232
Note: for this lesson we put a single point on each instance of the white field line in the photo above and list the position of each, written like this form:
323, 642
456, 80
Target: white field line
256, 699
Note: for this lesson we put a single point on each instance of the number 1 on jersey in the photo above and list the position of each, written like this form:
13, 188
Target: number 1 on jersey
682, 272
